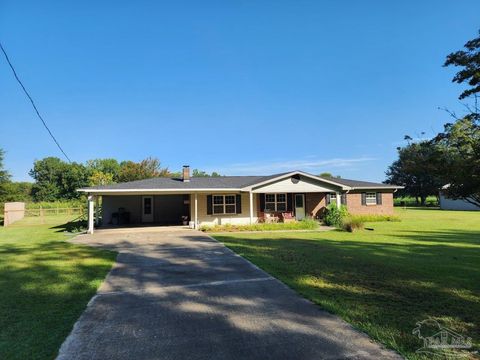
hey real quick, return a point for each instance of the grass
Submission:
(306, 224)
(411, 201)
(45, 284)
(383, 281)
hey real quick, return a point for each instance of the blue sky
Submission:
(239, 87)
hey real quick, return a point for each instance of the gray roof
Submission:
(358, 184)
(222, 182)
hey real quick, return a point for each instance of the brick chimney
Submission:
(186, 173)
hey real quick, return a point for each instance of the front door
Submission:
(299, 206)
(147, 209)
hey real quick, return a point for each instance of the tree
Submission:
(469, 60)
(103, 171)
(56, 179)
(18, 191)
(100, 178)
(145, 169)
(417, 170)
(4, 177)
(105, 166)
(460, 158)
(328, 175)
(201, 173)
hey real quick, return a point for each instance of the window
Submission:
(224, 204)
(276, 202)
(371, 198)
(332, 198)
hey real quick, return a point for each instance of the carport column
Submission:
(196, 211)
(91, 213)
(251, 207)
(339, 199)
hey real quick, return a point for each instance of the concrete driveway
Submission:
(178, 294)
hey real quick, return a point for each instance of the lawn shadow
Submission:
(382, 288)
(44, 288)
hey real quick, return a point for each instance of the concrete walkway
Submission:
(181, 295)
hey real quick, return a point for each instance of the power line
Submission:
(33, 103)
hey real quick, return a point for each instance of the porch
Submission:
(117, 211)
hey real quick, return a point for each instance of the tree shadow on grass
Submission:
(44, 287)
(382, 288)
(76, 225)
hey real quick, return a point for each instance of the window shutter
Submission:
(364, 198)
(343, 199)
(289, 202)
(209, 204)
(262, 202)
(327, 199)
(238, 200)
(379, 198)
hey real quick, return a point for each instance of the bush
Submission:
(334, 216)
(351, 224)
(305, 224)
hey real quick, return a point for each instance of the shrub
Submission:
(351, 224)
(305, 224)
(334, 216)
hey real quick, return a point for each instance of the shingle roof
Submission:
(222, 182)
(358, 184)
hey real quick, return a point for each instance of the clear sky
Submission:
(239, 87)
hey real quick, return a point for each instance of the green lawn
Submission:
(384, 280)
(45, 284)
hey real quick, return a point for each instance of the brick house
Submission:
(233, 199)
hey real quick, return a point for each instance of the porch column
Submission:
(339, 199)
(251, 208)
(195, 216)
(91, 213)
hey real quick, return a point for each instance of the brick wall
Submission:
(315, 204)
(354, 204)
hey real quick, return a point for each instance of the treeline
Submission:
(55, 179)
(450, 161)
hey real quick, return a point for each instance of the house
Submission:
(447, 203)
(232, 199)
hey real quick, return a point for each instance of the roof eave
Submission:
(265, 182)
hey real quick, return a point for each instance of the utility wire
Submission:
(33, 103)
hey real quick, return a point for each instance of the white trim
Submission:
(276, 202)
(91, 213)
(251, 207)
(196, 212)
(371, 203)
(154, 191)
(224, 204)
(284, 176)
(339, 199)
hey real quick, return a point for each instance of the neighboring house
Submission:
(447, 203)
(233, 199)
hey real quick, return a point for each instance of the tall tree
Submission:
(460, 159)
(417, 170)
(145, 169)
(460, 141)
(469, 61)
(4, 177)
(103, 171)
(201, 173)
(56, 179)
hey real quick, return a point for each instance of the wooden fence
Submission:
(40, 215)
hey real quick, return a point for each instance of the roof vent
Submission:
(186, 173)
